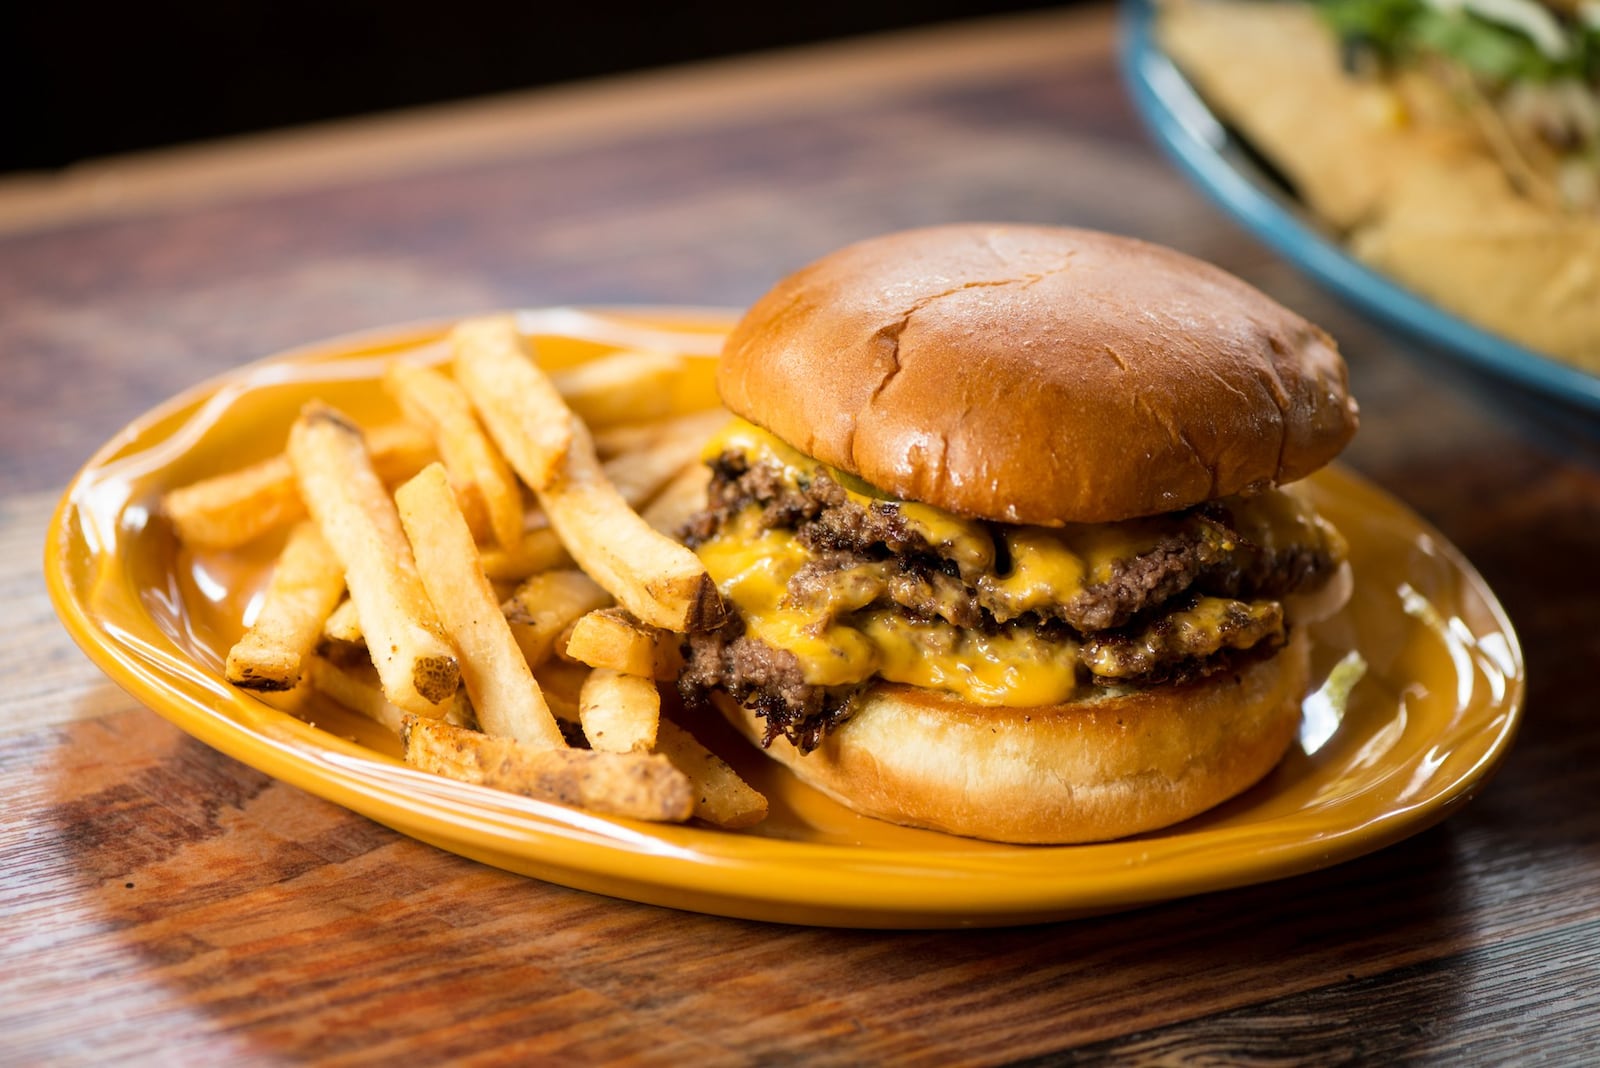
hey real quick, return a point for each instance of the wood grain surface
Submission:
(163, 904)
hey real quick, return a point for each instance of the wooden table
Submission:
(162, 903)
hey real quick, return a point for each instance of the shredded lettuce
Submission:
(1497, 51)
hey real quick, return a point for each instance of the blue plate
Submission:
(1215, 160)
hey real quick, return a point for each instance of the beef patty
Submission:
(1199, 594)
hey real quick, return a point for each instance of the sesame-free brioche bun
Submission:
(1043, 375)
(1093, 769)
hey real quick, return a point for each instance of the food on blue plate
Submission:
(1003, 535)
(1454, 145)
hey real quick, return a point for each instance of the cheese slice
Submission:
(840, 638)
(753, 567)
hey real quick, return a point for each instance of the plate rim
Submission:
(1151, 76)
(984, 887)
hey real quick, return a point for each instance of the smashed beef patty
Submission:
(1197, 594)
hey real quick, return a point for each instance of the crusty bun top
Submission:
(1032, 374)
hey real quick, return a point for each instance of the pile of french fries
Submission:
(527, 529)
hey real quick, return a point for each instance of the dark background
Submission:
(89, 79)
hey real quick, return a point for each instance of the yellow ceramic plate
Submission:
(1427, 721)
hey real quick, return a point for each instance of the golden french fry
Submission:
(230, 510)
(678, 500)
(498, 679)
(629, 437)
(655, 578)
(538, 550)
(668, 474)
(358, 520)
(636, 437)
(547, 604)
(515, 400)
(356, 687)
(639, 476)
(610, 638)
(619, 712)
(343, 625)
(562, 683)
(478, 473)
(624, 387)
(305, 585)
(635, 785)
(342, 639)
(720, 795)
(660, 581)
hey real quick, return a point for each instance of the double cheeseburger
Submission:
(1004, 530)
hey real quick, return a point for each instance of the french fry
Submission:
(671, 476)
(306, 583)
(610, 638)
(720, 795)
(343, 625)
(422, 617)
(515, 400)
(636, 437)
(498, 679)
(342, 639)
(358, 520)
(230, 510)
(668, 473)
(478, 473)
(356, 687)
(635, 785)
(624, 387)
(547, 604)
(538, 550)
(562, 683)
(619, 712)
(660, 581)
(639, 476)
(678, 500)
(628, 437)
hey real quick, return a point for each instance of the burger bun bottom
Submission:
(1103, 767)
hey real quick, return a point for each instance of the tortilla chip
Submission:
(1400, 168)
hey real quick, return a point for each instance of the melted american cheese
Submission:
(753, 567)
(840, 641)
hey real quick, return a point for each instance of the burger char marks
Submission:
(1177, 608)
(845, 534)
(1146, 579)
(1181, 642)
(819, 510)
(769, 680)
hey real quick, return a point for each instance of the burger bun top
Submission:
(1043, 375)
